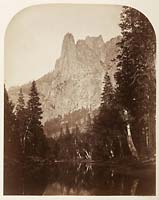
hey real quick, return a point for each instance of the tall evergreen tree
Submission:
(136, 76)
(108, 124)
(21, 119)
(107, 95)
(36, 143)
(11, 138)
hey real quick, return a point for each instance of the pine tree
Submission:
(36, 143)
(136, 75)
(21, 119)
(106, 123)
(11, 138)
(107, 95)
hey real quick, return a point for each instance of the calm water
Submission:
(80, 179)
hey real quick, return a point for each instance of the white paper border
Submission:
(8, 9)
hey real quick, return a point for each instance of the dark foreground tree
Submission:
(136, 77)
(35, 142)
(109, 127)
(21, 119)
(12, 151)
(11, 138)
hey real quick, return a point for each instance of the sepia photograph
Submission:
(80, 101)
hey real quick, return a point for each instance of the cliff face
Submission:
(76, 81)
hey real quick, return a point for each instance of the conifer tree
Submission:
(21, 119)
(11, 138)
(106, 123)
(107, 95)
(36, 143)
(136, 75)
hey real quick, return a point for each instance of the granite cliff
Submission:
(77, 79)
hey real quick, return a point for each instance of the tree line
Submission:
(23, 130)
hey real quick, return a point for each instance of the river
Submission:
(80, 179)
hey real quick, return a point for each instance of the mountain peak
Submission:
(68, 44)
(95, 38)
(94, 41)
(69, 36)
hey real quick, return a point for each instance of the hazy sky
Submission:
(34, 37)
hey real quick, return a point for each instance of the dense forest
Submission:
(122, 129)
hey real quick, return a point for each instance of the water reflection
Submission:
(93, 179)
(82, 179)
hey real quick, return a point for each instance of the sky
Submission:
(34, 36)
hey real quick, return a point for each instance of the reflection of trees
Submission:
(13, 179)
(79, 179)
(35, 179)
(75, 177)
(89, 178)
(29, 179)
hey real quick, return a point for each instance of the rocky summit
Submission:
(77, 79)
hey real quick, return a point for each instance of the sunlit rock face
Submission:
(77, 78)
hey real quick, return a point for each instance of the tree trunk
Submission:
(88, 156)
(130, 143)
(121, 147)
